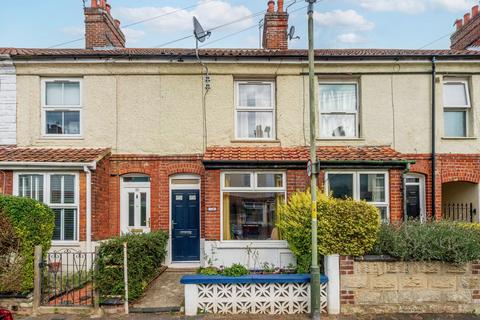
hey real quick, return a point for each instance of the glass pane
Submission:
(337, 126)
(338, 97)
(455, 123)
(250, 216)
(136, 179)
(54, 122)
(383, 214)
(56, 189)
(57, 232)
(143, 209)
(71, 93)
(255, 125)
(455, 94)
(255, 95)
(25, 186)
(131, 209)
(185, 181)
(68, 189)
(53, 93)
(71, 124)
(341, 185)
(69, 224)
(372, 187)
(237, 180)
(269, 180)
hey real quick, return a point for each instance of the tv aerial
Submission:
(291, 34)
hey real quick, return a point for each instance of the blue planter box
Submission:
(255, 278)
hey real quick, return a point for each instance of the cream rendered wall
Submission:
(156, 108)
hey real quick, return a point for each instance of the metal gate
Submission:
(67, 278)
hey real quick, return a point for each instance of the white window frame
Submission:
(252, 189)
(239, 108)
(46, 199)
(357, 113)
(46, 108)
(458, 108)
(356, 187)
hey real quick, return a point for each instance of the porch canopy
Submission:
(330, 157)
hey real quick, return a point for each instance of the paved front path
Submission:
(165, 291)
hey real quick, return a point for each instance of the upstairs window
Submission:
(62, 106)
(456, 107)
(255, 110)
(338, 109)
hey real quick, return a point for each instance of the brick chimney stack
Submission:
(275, 27)
(101, 30)
(467, 32)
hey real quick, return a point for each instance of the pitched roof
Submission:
(176, 53)
(328, 153)
(39, 155)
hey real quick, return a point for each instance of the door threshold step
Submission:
(155, 310)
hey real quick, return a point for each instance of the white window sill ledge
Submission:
(254, 141)
(56, 244)
(459, 138)
(62, 138)
(340, 139)
(240, 244)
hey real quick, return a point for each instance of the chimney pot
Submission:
(94, 4)
(466, 18)
(271, 6)
(459, 24)
(103, 4)
(117, 23)
(475, 11)
(280, 5)
(108, 6)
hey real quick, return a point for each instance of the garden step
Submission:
(155, 310)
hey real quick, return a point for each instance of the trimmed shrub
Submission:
(11, 261)
(433, 241)
(345, 227)
(146, 254)
(33, 224)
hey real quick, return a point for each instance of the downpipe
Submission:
(434, 137)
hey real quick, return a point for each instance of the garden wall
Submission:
(408, 287)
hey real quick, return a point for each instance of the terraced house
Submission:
(120, 140)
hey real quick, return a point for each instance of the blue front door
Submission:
(185, 225)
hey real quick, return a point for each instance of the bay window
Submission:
(61, 107)
(338, 110)
(59, 191)
(250, 203)
(456, 104)
(255, 110)
(371, 187)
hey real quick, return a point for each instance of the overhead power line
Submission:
(435, 41)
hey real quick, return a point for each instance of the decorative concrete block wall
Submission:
(8, 102)
(408, 287)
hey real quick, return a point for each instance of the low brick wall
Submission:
(408, 287)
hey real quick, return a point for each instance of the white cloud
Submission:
(350, 38)
(415, 6)
(133, 35)
(73, 31)
(210, 14)
(347, 19)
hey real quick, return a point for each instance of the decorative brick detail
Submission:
(346, 265)
(347, 297)
(101, 30)
(6, 182)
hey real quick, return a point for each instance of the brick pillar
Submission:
(6, 182)
(346, 268)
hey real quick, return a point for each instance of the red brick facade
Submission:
(275, 27)
(6, 182)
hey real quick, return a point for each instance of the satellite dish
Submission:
(291, 34)
(200, 34)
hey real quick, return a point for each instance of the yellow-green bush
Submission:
(345, 227)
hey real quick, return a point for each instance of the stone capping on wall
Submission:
(380, 285)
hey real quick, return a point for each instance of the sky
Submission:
(409, 24)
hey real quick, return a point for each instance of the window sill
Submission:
(254, 141)
(65, 243)
(254, 244)
(61, 138)
(340, 139)
(459, 138)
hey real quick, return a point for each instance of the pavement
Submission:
(261, 317)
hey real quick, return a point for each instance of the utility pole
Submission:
(314, 269)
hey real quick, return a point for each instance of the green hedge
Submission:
(433, 241)
(33, 223)
(146, 253)
(345, 227)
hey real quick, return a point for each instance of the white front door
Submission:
(135, 210)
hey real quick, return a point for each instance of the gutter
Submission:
(35, 165)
